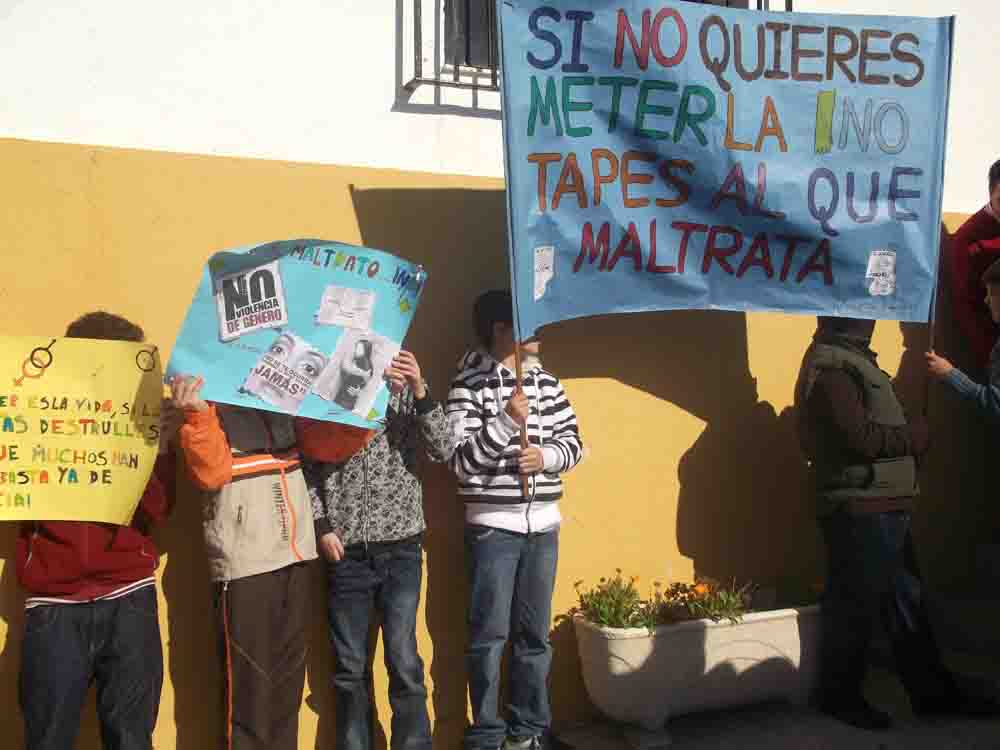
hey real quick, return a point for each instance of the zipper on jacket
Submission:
(286, 500)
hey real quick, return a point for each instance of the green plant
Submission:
(613, 603)
(616, 602)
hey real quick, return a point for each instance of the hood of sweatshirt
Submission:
(480, 360)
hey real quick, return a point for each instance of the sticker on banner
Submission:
(286, 372)
(545, 268)
(250, 300)
(346, 307)
(881, 273)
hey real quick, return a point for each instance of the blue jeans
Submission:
(872, 575)
(510, 578)
(384, 576)
(115, 643)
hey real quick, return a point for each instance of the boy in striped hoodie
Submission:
(511, 540)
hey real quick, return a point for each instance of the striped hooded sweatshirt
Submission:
(487, 443)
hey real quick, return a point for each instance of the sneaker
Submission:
(859, 713)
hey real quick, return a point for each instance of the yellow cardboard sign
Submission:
(79, 427)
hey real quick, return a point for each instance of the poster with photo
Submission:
(320, 352)
(350, 380)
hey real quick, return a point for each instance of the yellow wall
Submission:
(692, 459)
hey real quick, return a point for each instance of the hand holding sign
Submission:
(405, 370)
(531, 460)
(187, 393)
(518, 408)
(938, 366)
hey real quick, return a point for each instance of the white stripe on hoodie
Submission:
(487, 444)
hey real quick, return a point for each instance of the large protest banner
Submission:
(79, 428)
(302, 327)
(678, 155)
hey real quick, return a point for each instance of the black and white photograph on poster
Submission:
(346, 307)
(250, 300)
(286, 372)
(353, 377)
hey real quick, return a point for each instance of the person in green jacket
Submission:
(863, 452)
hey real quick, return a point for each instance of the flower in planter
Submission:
(617, 603)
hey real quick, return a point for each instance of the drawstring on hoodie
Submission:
(498, 397)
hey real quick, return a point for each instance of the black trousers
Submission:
(872, 575)
(262, 639)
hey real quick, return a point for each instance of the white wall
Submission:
(315, 80)
(305, 80)
(974, 112)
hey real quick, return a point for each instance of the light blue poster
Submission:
(679, 155)
(303, 327)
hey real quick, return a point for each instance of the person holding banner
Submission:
(863, 452)
(974, 247)
(368, 511)
(91, 608)
(259, 538)
(986, 397)
(511, 540)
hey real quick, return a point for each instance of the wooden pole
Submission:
(519, 375)
(931, 332)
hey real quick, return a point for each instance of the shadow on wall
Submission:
(741, 512)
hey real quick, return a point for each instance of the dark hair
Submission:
(494, 306)
(994, 175)
(104, 325)
(992, 274)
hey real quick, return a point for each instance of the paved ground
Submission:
(784, 727)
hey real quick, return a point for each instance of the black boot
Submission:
(968, 706)
(858, 713)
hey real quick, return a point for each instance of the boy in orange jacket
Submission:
(259, 537)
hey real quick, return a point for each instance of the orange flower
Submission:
(701, 589)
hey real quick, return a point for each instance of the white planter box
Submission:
(644, 677)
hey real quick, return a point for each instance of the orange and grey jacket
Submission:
(258, 516)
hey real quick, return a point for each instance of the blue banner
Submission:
(302, 327)
(678, 155)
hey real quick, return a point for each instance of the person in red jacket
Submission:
(974, 247)
(91, 611)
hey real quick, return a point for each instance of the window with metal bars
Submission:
(456, 44)
(467, 36)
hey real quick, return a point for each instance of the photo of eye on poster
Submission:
(319, 351)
